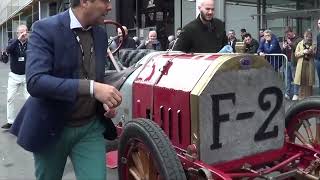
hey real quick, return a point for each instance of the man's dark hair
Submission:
(288, 29)
(75, 3)
(243, 30)
(247, 35)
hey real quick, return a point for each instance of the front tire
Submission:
(145, 152)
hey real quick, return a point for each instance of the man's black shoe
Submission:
(6, 126)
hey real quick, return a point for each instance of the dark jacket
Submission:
(52, 74)
(155, 46)
(252, 47)
(272, 47)
(128, 43)
(318, 47)
(233, 45)
(16, 49)
(201, 38)
(294, 42)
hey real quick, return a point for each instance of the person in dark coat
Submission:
(232, 40)
(151, 43)
(270, 45)
(128, 42)
(251, 44)
(172, 43)
(16, 78)
(205, 34)
(243, 31)
(67, 114)
(289, 48)
(317, 58)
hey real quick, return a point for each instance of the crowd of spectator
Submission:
(300, 53)
(303, 57)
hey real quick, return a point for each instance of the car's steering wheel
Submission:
(111, 53)
(123, 34)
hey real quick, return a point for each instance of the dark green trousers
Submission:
(84, 145)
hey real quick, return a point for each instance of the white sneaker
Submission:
(295, 97)
(287, 96)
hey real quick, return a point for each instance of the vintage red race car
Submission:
(211, 116)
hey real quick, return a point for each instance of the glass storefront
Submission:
(276, 14)
(25, 12)
(141, 16)
(301, 15)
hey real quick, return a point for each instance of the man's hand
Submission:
(23, 36)
(107, 94)
(110, 113)
(285, 45)
(289, 42)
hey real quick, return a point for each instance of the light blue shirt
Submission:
(74, 22)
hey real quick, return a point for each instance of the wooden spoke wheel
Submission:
(303, 124)
(117, 25)
(145, 153)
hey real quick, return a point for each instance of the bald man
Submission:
(205, 34)
(152, 42)
(128, 42)
(17, 80)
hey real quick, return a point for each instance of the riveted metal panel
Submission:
(240, 110)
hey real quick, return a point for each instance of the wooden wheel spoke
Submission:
(147, 153)
(307, 127)
(302, 139)
(153, 173)
(142, 166)
(134, 173)
(138, 163)
(317, 172)
(144, 157)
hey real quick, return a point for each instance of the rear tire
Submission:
(303, 125)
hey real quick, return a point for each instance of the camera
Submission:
(4, 57)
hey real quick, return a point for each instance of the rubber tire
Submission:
(311, 102)
(128, 57)
(157, 142)
(123, 56)
(300, 106)
(139, 56)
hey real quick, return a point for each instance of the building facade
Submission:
(168, 15)
(165, 16)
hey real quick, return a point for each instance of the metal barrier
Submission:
(280, 64)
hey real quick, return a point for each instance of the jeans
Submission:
(291, 88)
(84, 145)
